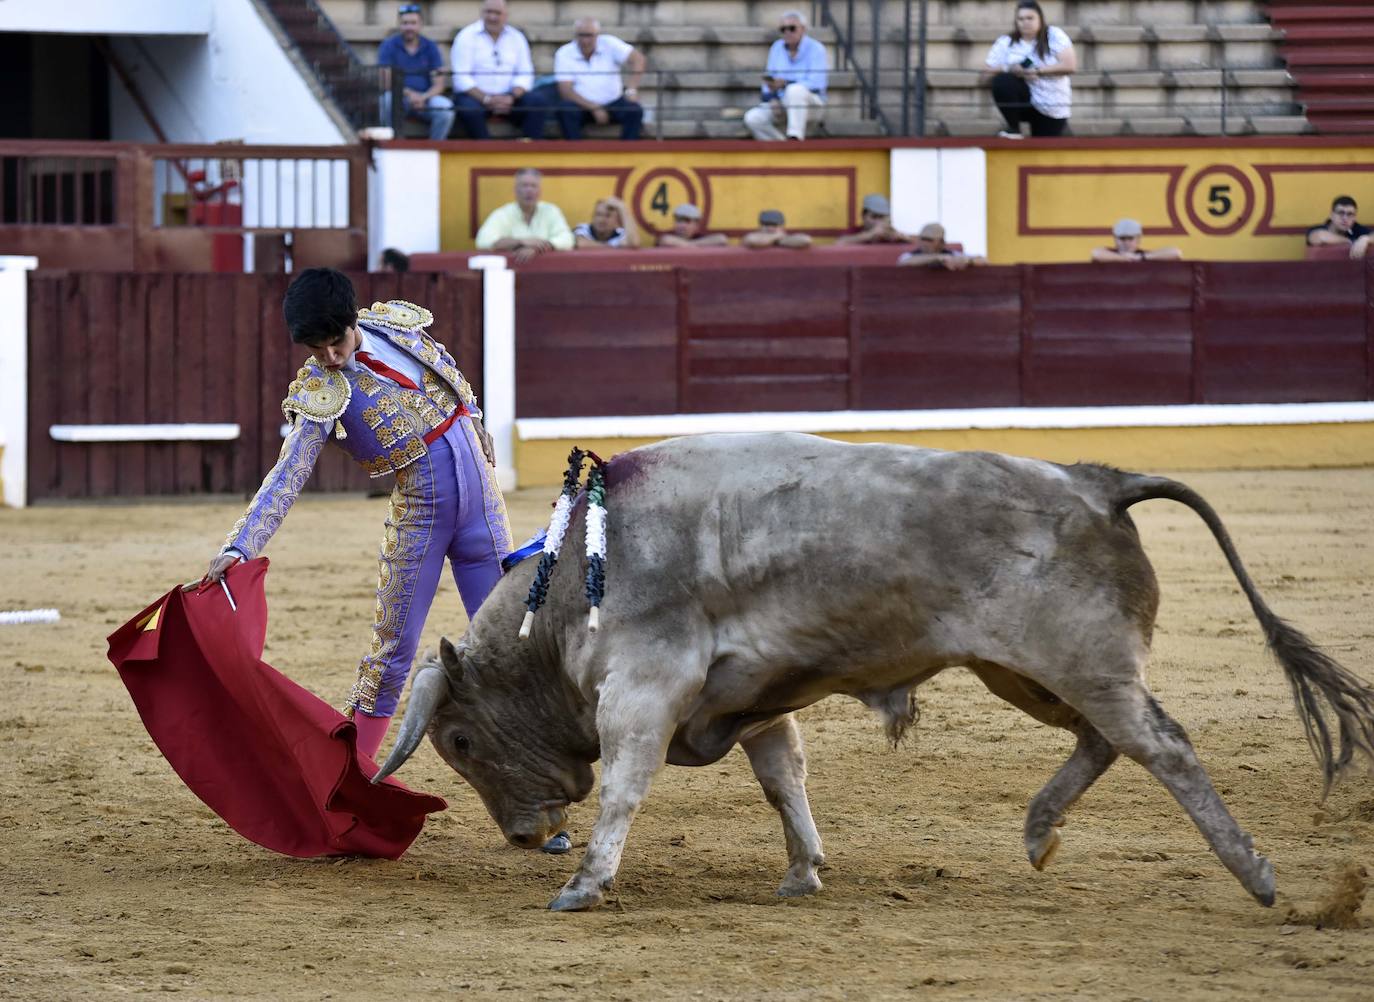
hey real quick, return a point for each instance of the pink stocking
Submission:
(371, 730)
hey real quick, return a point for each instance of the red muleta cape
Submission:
(275, 762)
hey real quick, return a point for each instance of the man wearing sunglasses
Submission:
(493, 74)
(793, 82)
(424, 79)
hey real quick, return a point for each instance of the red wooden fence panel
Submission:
(933, 338)
(122, 348)
(766, 340)
(1109, 334)
(596, 343)
(1284, 332)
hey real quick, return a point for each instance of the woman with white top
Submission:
(1029, 71)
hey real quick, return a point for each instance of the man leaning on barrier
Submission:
(1341, 229)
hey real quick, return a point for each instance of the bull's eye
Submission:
(461, 744)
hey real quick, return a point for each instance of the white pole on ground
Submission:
(498, 360)
(14, 377)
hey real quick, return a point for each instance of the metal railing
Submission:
(351, 85)
(711, 103)
(823, 15)
(267, 192)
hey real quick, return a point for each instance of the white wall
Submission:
(233, 83)
(14, 375)
(942, 186)
(107, 17)
(403, 202)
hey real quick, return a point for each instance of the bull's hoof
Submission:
(1261, 884)
(575, 900)
(799, 887)
(1041, 850)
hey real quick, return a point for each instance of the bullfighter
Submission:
(393, 397)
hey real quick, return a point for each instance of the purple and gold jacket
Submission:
(381, 425)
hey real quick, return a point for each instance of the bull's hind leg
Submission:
(779, 762)
(1091, 757)
(1129, 717)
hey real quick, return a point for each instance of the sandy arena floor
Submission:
(117, 882)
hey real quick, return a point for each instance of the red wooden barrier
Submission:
(124, 348)
(169, 349)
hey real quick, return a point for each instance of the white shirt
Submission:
(1050, 96)
(389, 355)
(497, 67)
(596, 78)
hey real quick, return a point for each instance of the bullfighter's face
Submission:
(334, 353)
(495, 736)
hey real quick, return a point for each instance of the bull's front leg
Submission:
(779, 762)
(635, 725)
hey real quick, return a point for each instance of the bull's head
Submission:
(513, 736)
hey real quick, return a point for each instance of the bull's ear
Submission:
(452, 659)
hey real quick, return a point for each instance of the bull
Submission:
(756, 574)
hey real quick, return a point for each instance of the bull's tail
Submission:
(1321, 686)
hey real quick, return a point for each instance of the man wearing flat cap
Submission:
(1126, 247)
(875, 225)
(687, 230)
(772, 232)
(932, 251)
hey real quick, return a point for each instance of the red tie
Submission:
(382, 369)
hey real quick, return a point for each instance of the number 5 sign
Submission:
(1219, 200)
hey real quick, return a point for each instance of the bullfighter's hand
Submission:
(484, 436)
(218, 568)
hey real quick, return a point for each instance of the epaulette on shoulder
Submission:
(397, 314)
(317, 394)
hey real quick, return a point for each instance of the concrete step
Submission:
(948, 47)
(453, 14)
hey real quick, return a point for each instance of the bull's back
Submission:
(790, 522)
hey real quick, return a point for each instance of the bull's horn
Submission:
(429, 687)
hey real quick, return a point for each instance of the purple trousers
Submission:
(446, 504)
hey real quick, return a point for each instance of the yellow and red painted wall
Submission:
(1045, 201)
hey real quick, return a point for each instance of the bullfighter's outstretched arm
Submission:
(279, 489)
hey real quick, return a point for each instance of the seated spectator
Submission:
(687, 230)
(395, 261)
(1341, 228)
(527, 226)
(589, 87)
(772, 232)
(493, 74)
(424, 80)
(1029, 71)
(1126, 248)
(611, 226)
(932, 252)
(875, 225)
(794, 82)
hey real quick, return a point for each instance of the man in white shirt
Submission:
(526, 227)
(493, 74)
(794, 82)
(589, 85)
